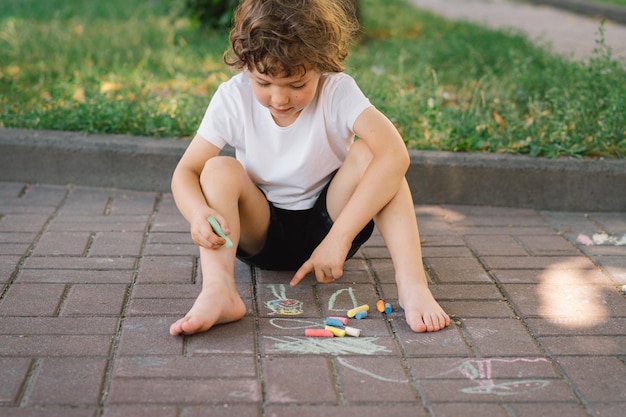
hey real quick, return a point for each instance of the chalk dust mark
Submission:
(480, 371)
(347, 364)
(333, 299)
(334, 346)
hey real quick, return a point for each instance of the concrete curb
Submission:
(602, 10)
(146, 164)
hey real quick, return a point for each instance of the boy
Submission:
(301, 194)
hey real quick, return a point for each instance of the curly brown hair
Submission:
(289, 37)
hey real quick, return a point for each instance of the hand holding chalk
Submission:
(218, 229)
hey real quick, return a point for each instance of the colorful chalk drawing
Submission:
(601, 239)
(283, 305)
(333, 346)
(480, 371)
(311, 345)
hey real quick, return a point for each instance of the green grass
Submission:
(132, 67)
(618, 2)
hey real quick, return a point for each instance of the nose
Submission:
(280, 98)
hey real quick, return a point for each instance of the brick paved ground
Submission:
(90, 280)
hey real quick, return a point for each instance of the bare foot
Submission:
(213, 306)
(423, 313)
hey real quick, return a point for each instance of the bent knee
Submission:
(220, 168)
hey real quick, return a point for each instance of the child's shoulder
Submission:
(337, 82)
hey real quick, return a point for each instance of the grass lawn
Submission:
(133, 67)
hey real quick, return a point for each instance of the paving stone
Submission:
(32, 299)
(170, 269)
(215, 366)
(183, 392)
(583, 345)
(14, 248)
(225, 410)
(494, 391)
(490, 245)
(149, 336)
(303, 379)
(140, 411)
(575, 326)
(75, 276)
(58, 325)
(55, 345)
(479, 369)
(460, 291)
(476, 308)
(447, 342)
(116, 243)
(600, 379)
(566, 301)
(383, 270)
(387, 410)
(537, 262)
(548, 246)
(449, 270)
(22, 222)
(87, 300)
(169, 222)
(615, 266)
(560, 276)
(64, 381)
(62, 243)
(71, 262)
(70, 222)
(48, 411)
(134, 202)
(468, 410)
(13, 372)
(234, 338)
(381, 379)
(608, 409)
(548, 410)
(445, 252)
(501, 336)
(17, 237)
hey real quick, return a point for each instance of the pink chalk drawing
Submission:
(480, 371)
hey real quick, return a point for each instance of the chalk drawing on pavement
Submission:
(281, 304)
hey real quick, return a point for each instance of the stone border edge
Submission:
(146, 164)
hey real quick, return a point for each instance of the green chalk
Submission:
(216, 226)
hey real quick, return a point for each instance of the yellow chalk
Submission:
(336, 331)
(352, 313)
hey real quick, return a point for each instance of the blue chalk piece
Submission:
(334, 322)
(388, 308)
(360, 315)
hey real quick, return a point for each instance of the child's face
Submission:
(285, 97)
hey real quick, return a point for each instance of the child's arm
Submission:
(189, 196)
(379, 184)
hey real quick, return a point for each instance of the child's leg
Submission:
(398, 226)
(227, 189)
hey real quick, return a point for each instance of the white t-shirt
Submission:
(292, 164)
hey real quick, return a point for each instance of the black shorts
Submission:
(293, 235)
